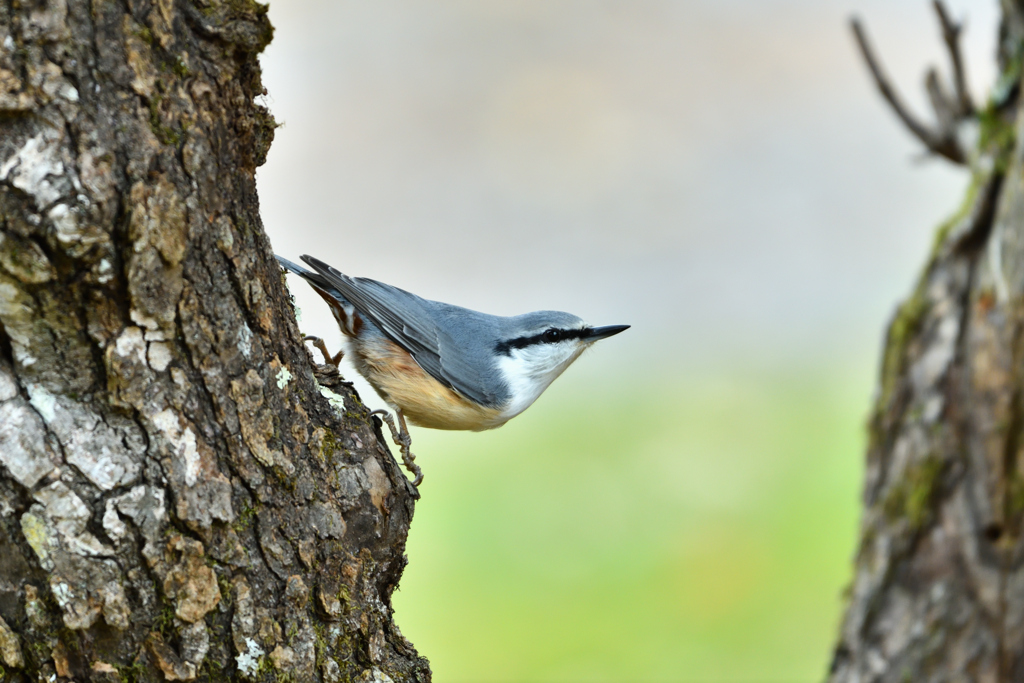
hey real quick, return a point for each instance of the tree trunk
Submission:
(180, 497)
(938, 593)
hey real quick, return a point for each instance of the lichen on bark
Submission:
(178, 500)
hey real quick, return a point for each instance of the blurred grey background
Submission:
(722, 175)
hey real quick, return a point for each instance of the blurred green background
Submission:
(696, 528)
(682, 504)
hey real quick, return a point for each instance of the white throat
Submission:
(531, 370)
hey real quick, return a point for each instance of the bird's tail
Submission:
(344, 312)
(293, 267)
(321, 284)
(316, 279)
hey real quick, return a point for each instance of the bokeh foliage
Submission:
(696, 529)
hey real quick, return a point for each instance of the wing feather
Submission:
(410, 322)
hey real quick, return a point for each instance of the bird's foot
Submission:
(319, 344)
(401, 436)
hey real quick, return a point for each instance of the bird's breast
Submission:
(426, 402)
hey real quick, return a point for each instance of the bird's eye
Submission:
(552, 335)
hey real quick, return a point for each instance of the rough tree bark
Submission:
(180, 497)
(938, 593)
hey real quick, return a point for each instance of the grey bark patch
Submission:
(85, 586)
(195, 642)
(206, 501)
(23, 448)
(202, 493)
(277, 551)
(97, 450)
(65, 517)
(8, 384)
(145, 507)
(183, 443)
(352, 481)
(37, 169)
(326, 521)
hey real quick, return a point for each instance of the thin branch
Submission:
(951, 35)
(888, 92)
(946, 108)
(942, 144)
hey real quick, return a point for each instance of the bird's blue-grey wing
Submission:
(411, 322)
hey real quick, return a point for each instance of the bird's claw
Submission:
(401, 436)
(319, 344)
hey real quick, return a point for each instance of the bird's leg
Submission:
(401, 436)
(319, 344)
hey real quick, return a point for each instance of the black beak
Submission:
(596, 333)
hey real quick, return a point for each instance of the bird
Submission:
(442, 366)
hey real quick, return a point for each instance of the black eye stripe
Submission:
(545, 337)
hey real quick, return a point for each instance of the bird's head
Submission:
(535, 348)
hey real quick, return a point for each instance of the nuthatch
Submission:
(443, 366)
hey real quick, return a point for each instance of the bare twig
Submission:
(888, 92)
(943, 142)
(946, 108)
(951, 35)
